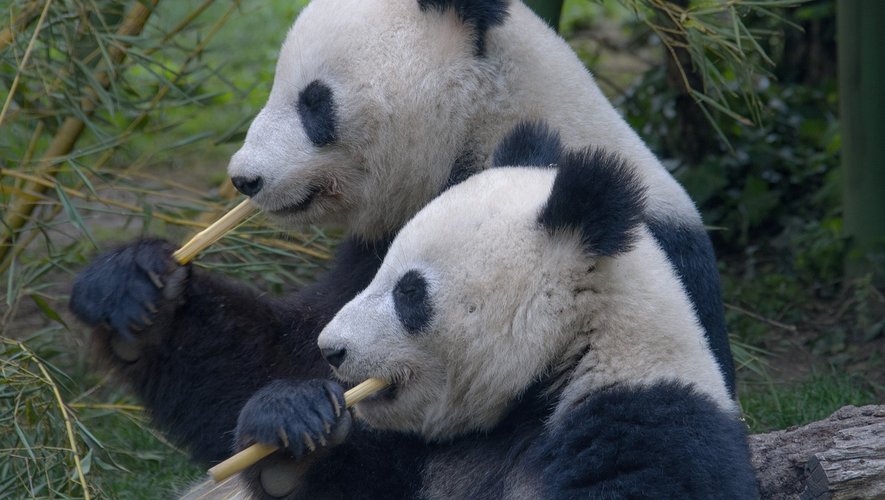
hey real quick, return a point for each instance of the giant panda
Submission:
(539, 344)
(376, 105)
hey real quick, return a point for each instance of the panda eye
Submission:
(316, 107)
(412, 302)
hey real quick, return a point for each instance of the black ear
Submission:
(600, 196)
(529, 144)
(479, 14)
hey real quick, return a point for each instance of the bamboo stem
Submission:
(214, 232)
(256, 452)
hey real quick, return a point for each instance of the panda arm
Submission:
(661, 441)
(209, 347)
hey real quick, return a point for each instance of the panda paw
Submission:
(126, 289)
(297, 416)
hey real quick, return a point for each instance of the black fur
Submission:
(662, 441)
(465, 165)
(217, 342)
(691, 252)
(411, 299)
(597, 194)
(529, 144)
(479, 14)
(316, 107)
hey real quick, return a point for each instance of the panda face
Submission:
(471, 304)
(365, 91)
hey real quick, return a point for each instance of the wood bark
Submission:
(840, 457)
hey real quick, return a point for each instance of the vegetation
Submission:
(119, 115)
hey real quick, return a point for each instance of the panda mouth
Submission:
(387, 394)
(313, 193)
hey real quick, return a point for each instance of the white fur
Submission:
(513, 303)
(411, 95)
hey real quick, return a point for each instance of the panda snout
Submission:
(334, 356)
(247, 186)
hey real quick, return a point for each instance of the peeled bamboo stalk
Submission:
(214, 232)
(256, 452)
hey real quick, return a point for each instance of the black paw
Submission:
(298, 416)
(124, 289)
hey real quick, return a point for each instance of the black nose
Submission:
(334, 356)
(249, 187)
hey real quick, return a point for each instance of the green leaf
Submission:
(46, 309)
(74, 214)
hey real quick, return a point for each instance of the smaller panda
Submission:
(538, 342)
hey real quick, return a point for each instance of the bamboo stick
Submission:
(214, 232)
(256, 452)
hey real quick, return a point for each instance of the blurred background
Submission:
(118, 118)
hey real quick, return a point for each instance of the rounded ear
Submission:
(598, 195)
(478, 14)
(530, 143)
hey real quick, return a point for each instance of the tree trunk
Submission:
(842, 456)
(861, 80)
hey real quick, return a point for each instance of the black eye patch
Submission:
(316, 107)
(412, 302)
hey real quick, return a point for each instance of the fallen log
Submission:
(840, 457)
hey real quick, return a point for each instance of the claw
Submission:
(284, 438)
(309, 442)
(155, 279)
(335, 405)
(151, 308)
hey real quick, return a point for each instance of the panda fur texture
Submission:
(539, 343)
(375, 107)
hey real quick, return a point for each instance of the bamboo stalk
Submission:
(70, 131)
(256, 452)
(214, 232)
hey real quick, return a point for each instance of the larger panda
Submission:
(376, 105)
(538, 342)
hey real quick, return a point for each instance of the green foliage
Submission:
(61, 441)
(119, 92)
(772, 405)
(772, 189)
(717, 49)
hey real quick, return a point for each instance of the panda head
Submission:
(365, 92)
(482, 291)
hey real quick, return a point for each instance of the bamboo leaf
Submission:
(47, 310)
(74, 215)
